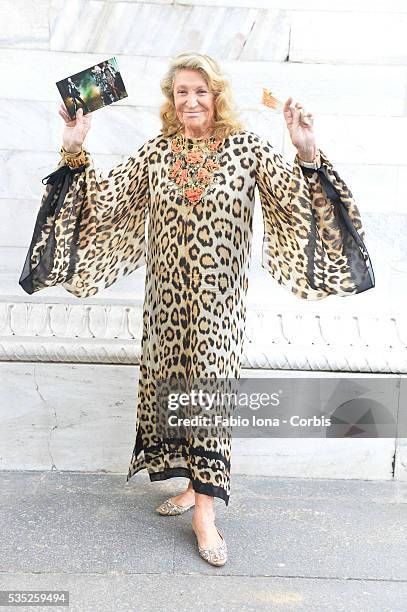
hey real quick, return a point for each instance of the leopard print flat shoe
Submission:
(168, 508)
(217, 555)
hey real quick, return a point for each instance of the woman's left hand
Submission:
(301, 134)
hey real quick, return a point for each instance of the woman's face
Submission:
(194, 103)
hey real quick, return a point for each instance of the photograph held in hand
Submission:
(92, 88)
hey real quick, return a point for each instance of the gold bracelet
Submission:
(74, 160)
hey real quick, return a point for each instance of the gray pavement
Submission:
(310, 545)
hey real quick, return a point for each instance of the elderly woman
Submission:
(195, 182)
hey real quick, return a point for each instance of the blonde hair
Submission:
(226, 118)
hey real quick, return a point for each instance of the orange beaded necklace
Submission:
(194, 165)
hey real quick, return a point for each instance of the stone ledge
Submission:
(295, 339)
(223, 32)
(325, 88)
(319, 37)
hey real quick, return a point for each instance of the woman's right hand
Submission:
(75, 130)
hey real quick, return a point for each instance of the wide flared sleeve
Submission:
(90, 228)
(313, 242)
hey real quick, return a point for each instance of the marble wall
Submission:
(92, 428)
(347, 64)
